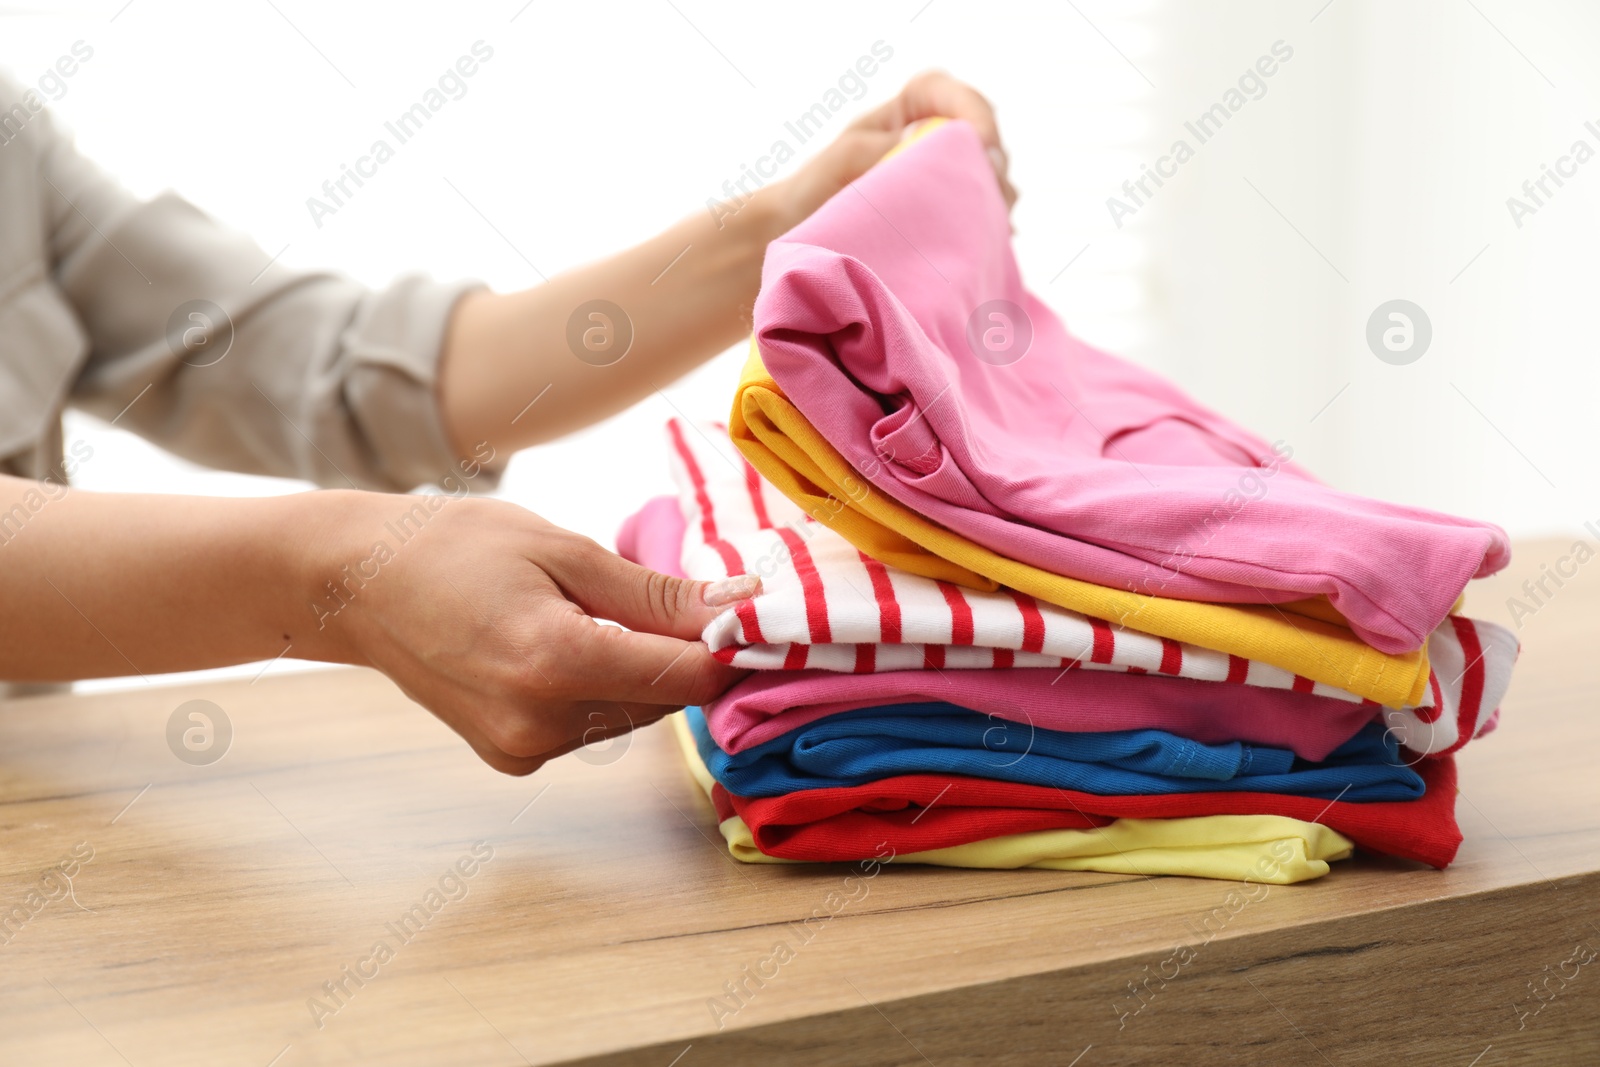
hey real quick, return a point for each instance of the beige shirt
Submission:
(318, 377)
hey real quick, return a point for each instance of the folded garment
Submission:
(914, 813)
(1050, 453)
(728, 522)
(1271, 849)
(723, 504)
(858, 747)
(768, 704)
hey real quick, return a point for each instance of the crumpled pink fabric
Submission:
(1066, 458)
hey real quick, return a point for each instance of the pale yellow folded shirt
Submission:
(1306, 637)
(1241, 848)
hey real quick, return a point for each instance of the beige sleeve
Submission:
(304, 375)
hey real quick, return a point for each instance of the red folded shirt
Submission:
(915, 813)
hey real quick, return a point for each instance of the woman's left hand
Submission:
(865, 141)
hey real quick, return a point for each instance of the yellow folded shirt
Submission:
(1272, 849)
(1306, 637)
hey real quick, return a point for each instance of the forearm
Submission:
(687, 294)
(110, 584)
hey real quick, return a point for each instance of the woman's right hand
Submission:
(480, 611)
(485, 614)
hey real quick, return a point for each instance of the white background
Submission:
(1376, 166)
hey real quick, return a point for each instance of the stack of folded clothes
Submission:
(1025, 604)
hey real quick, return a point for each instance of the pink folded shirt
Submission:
(878, 619)
(1066, 458)
(771, 703)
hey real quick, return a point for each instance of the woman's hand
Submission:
(486, 617)
(865, 141)
(480, 611)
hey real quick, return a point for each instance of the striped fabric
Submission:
(827, 606)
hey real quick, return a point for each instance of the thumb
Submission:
(607, 586)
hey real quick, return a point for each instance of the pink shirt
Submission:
(870, 318)
(769, 704)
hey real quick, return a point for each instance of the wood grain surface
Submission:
(163, 912)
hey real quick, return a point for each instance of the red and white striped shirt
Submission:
(827, 606)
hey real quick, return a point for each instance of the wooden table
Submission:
(221, 897)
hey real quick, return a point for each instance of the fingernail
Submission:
(731, 590)
(997, 156)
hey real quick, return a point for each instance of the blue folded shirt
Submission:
(867, 744)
